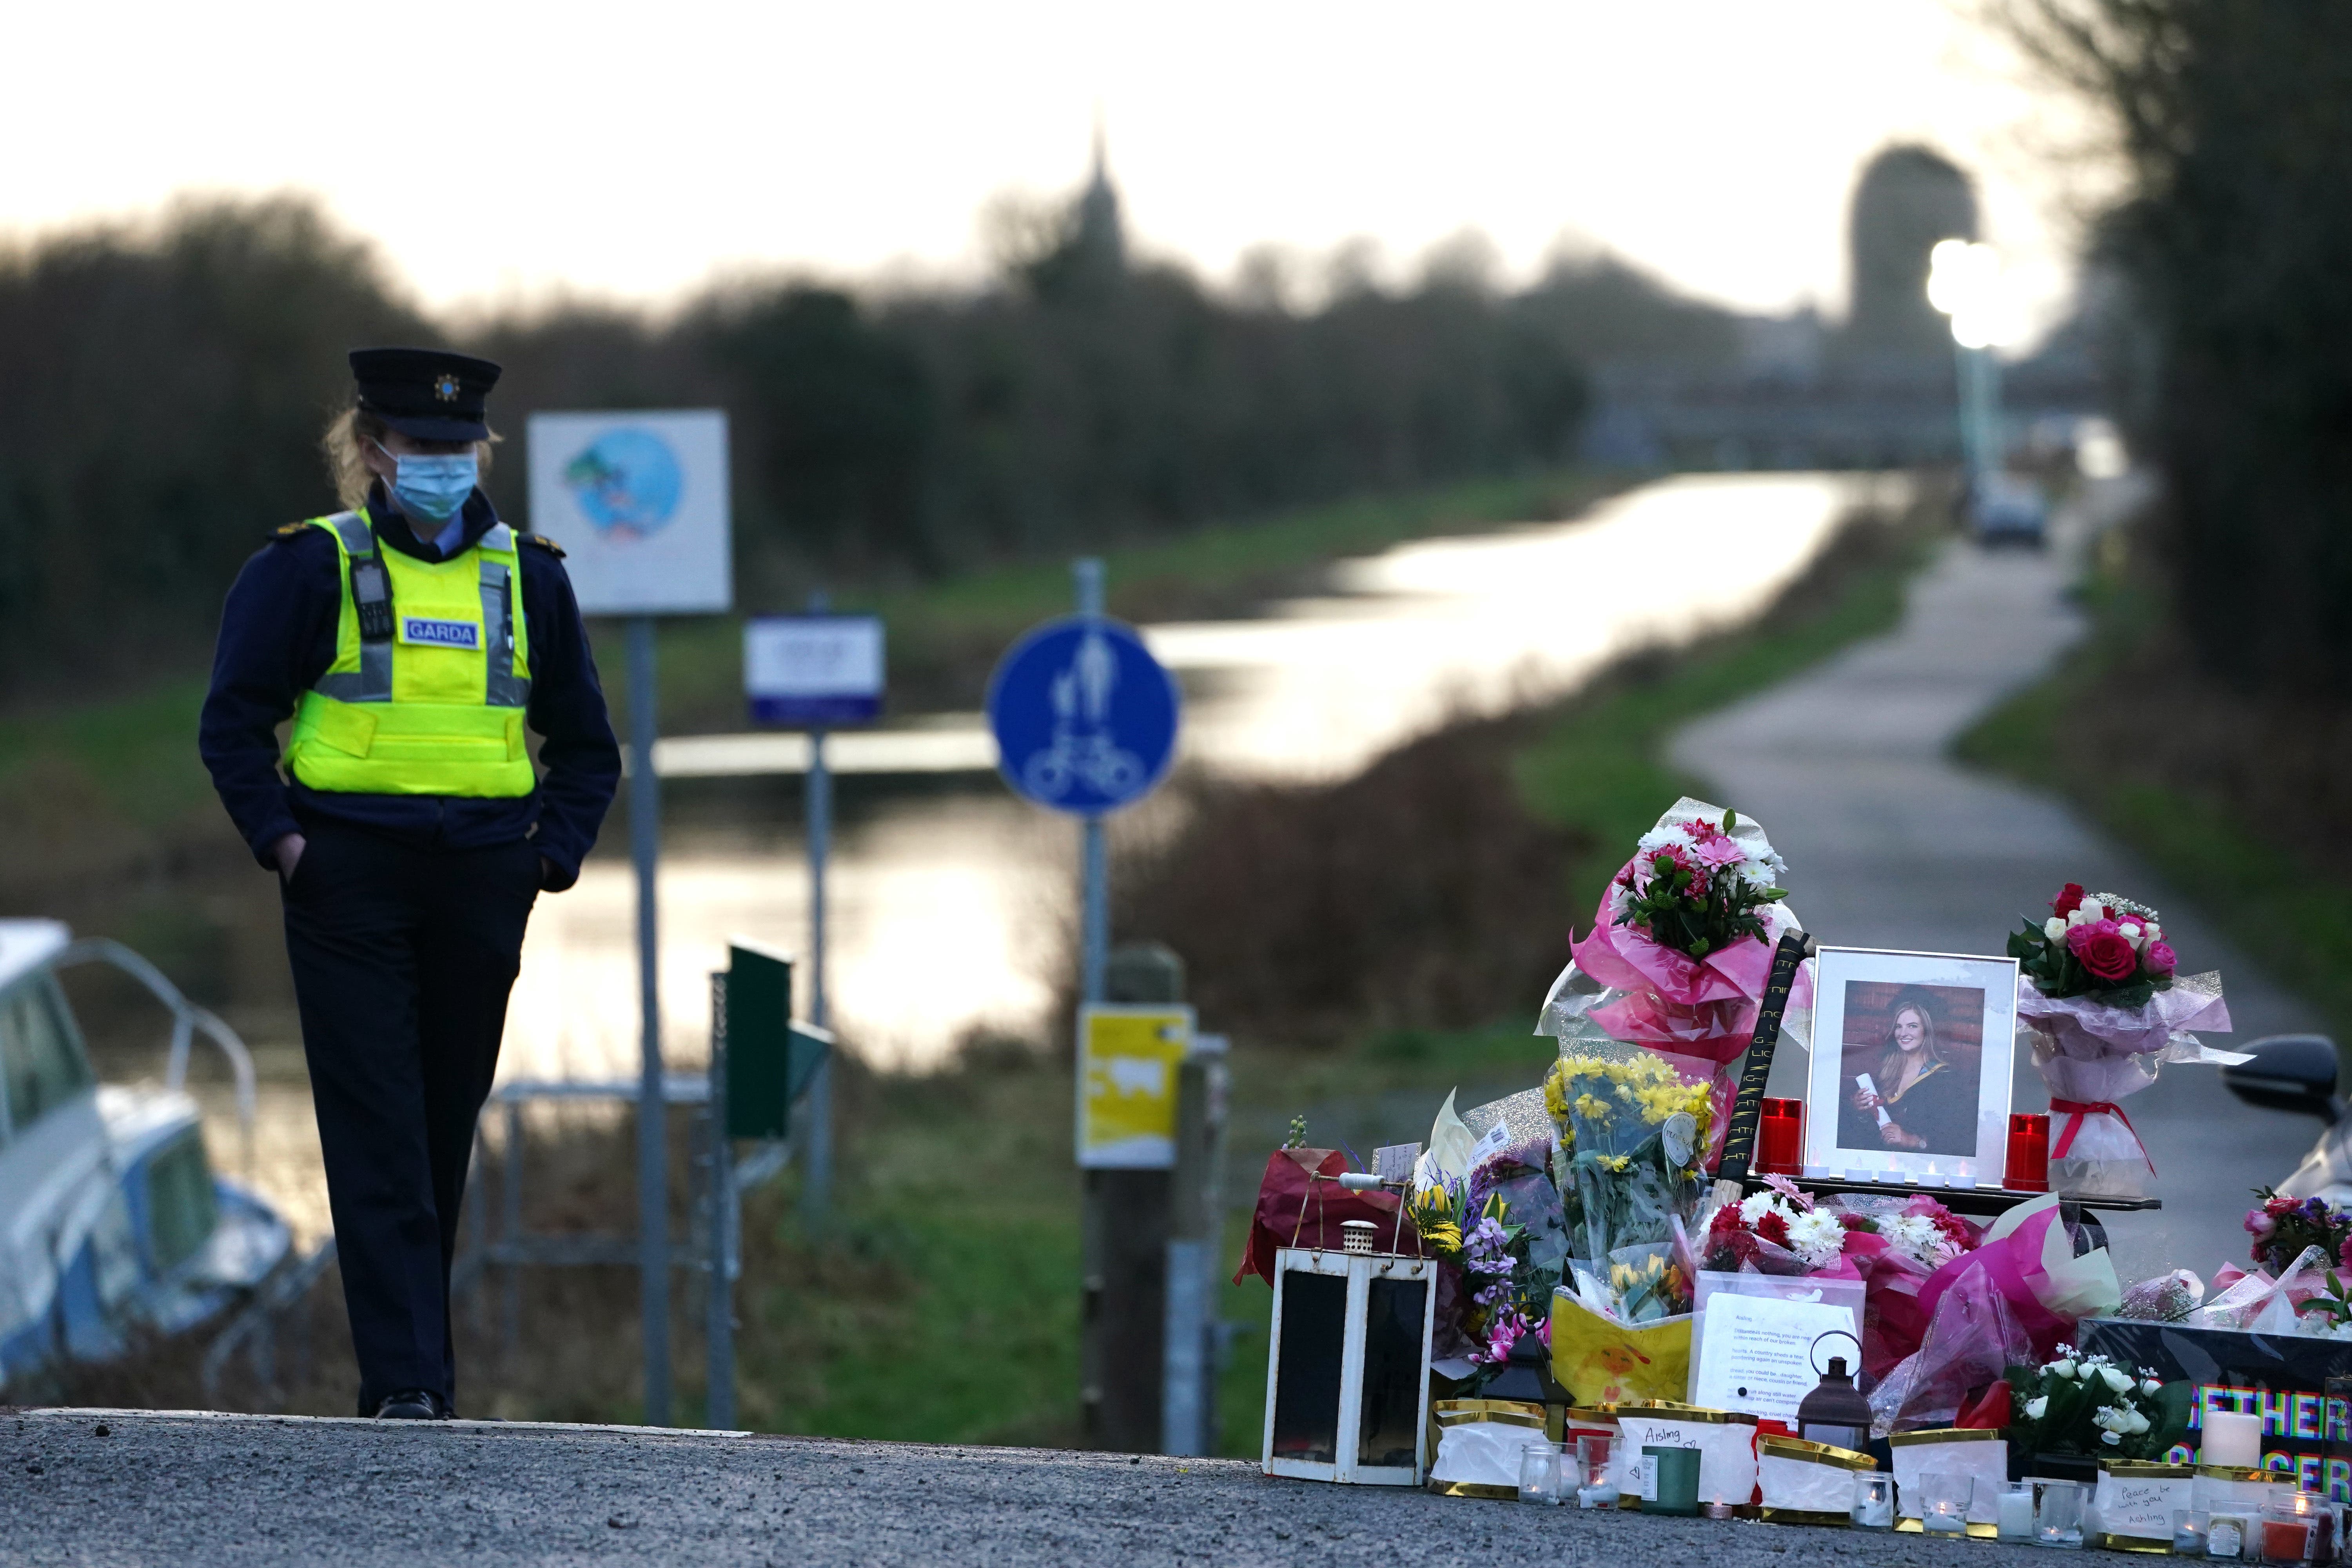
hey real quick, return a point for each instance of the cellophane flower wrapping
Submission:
(2168, 1297)
(1625, 992)
(1497, 1226)
(2012, 1300)
(1631, 1131)
(2100, 1009)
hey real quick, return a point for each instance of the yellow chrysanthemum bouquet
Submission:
(1632, 1132)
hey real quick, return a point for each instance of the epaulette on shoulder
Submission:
(544, 543)
(290, 531)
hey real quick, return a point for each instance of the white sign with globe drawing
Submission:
(638, 501)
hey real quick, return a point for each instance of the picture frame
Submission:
(1935, 1036)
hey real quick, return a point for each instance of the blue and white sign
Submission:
(814, 670)
(1085, 717)
(638, 499)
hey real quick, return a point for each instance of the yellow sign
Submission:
(1127, 1061)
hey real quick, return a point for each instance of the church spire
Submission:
(1100, 240)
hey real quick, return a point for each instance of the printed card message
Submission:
(1756, 1352)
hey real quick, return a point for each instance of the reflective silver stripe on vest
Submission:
(372, 682)
(503, 686)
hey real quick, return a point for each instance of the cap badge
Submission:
(444, 388)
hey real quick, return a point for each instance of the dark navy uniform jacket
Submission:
(277, 636)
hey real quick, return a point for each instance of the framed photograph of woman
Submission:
(1911, 1065)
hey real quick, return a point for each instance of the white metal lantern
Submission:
(1346, 1368)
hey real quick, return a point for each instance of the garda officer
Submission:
(410, 638)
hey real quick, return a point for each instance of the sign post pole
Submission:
(640, 500)
(1094, 873)
(652, 1154)
(817, 1189)
(724, 1219)
(815, 671)
(1085, 719)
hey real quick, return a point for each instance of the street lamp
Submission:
(1964, 283)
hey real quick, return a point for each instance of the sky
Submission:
(500, 153)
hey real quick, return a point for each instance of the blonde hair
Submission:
(344, 443)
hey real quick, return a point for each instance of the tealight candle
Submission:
(2188, 1532)
(2232, 1438)
(1873, 1502)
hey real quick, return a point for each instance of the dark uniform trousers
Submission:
(403, 957)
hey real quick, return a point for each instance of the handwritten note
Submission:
(2140, 1506)
(1756, 1352)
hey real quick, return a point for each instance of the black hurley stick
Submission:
(1747, 1108)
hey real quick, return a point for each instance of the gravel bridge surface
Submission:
(88, 1487)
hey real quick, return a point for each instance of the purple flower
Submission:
(2160, 958)
(2259, 1224)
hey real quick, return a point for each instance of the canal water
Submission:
(952, 904)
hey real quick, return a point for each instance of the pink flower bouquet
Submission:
(1680, 951)
(2102, 1006)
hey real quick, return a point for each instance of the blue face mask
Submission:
(433, 486)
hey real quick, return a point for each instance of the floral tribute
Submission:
(1490, 1229)
(2283, 1227)
(1782, 1231)
(1694, 889)
(1680, 952)
(2105, 945)
(1630, 1131)
(1777, 1232)
(2103, 999)
(2088, 1404)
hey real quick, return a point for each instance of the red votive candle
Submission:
(2028, 1168)
(1781, 1138)
(2286, 1540)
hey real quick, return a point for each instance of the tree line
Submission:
(2234, 121)
(167, 381)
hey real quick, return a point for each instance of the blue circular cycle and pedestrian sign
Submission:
(1085, 717)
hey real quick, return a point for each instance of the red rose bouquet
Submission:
(2102, 1005)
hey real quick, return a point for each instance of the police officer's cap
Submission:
(429, 395)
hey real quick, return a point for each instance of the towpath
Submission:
(1891, 844)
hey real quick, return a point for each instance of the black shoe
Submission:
(409, 1405)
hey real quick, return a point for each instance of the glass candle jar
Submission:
(2014, 1520)
(2225, 1537)
(1873, 1502)
(2027, 1169)
(1596, 1471)
(2298, 1528)
(1540, 1473)
(1671, 1481)
(1944, 1504)
(2058, 1514)
(2189, 1532)
(2286, 1534)
(1781, 1138)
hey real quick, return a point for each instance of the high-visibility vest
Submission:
(431, 676)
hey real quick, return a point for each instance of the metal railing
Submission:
(188, 1020)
